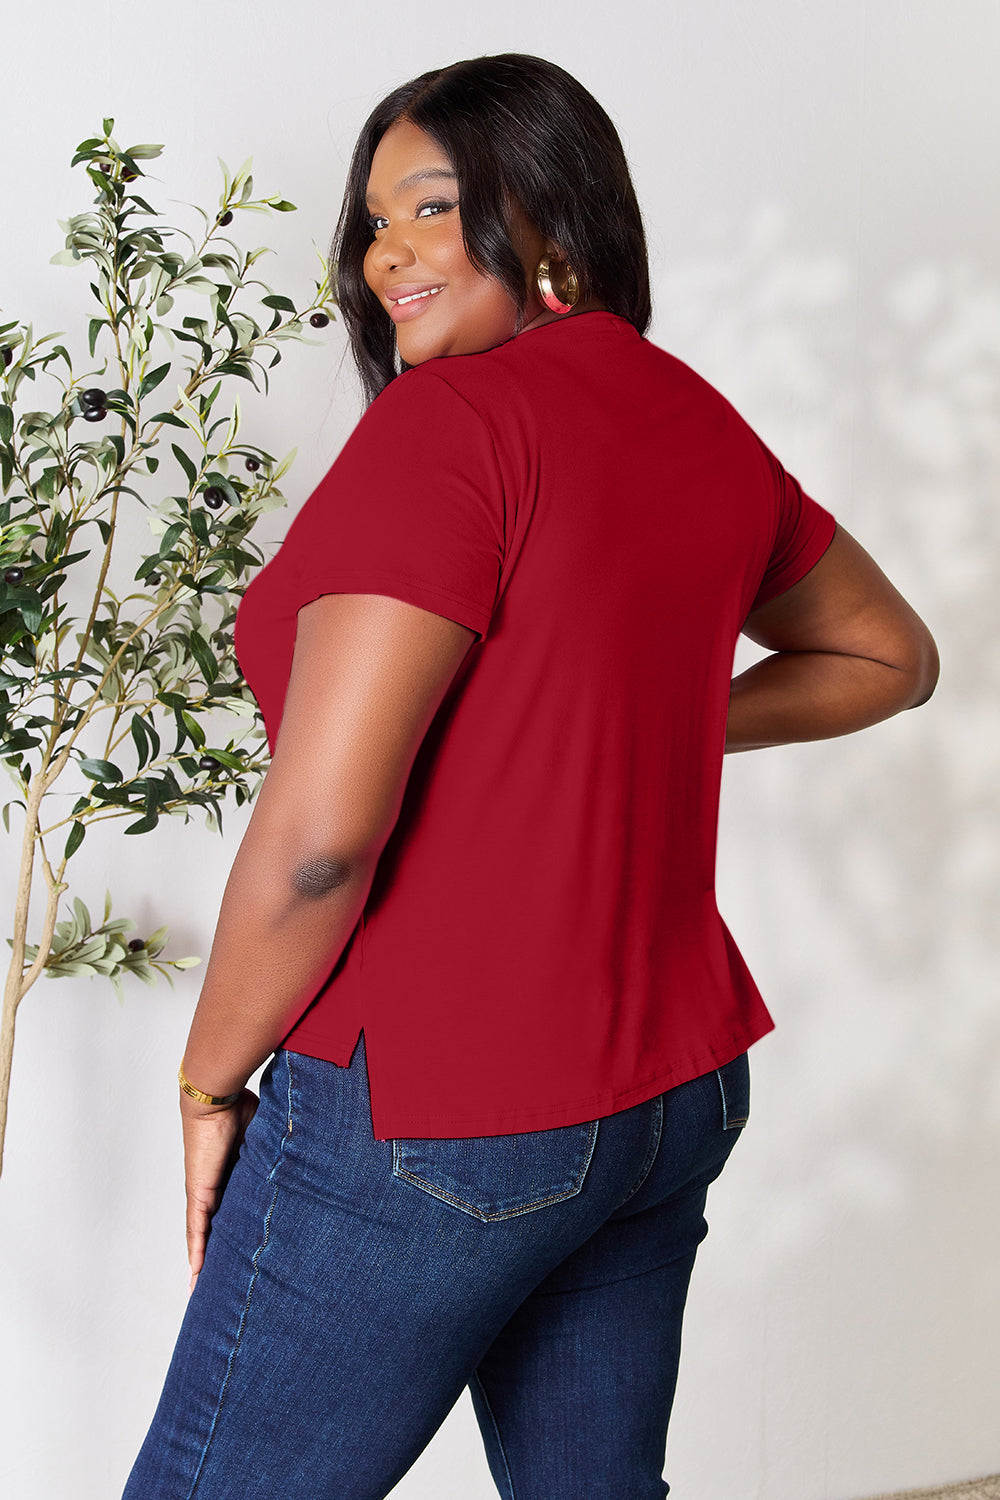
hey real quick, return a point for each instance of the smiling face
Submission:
(417, 248)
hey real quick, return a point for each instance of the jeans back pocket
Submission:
(734, 1085)
(499, 1176)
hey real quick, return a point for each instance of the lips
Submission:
(404, 312)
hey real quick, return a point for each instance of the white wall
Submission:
(820, 188)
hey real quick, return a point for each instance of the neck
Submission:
(547, 316)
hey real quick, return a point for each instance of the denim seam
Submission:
(445, 1196)
(496, 1432)
(654, 1146)
(253, 1278)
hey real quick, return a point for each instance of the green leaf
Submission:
(207, 402)
(93, 329)
(227, 758)
(143, 153)
(152, 464)
(75, 839)
(206, 661)
(45, 485)
(283, 304)
(6, 424)
(231, 367)
(145, 824)
(108, 125)
(194, 729)
(282, 205)
(141, 739)
(185, 463)
(152, 380)
(169, 537)
(100, 770)
(199, 525)
(6, 812)
(184, 963)
(31, 614)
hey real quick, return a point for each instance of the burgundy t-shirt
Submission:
(541, 944)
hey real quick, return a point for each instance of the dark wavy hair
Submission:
(516, 129)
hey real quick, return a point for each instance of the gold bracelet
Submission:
(194, 1093)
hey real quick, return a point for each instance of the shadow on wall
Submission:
(860, 878)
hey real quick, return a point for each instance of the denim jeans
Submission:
(353, 1288)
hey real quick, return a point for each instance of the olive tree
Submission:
(120, 693)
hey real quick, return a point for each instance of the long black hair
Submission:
(516, 129)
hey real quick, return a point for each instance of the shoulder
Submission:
(429, 392)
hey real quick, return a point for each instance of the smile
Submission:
(402, 309)
(431, 292)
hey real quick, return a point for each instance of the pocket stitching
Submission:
(443, 1194)
(729, 1121)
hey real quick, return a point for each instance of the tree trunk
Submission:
(11, 1001)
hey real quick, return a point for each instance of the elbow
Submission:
(926, 669)
(321, 875)
(315, 876)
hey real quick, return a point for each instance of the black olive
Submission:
(215, 498)
(8, 355)
(319, 320)
(94, 413)
(94, 397)
(251, 465)
(227, 218)
(208, 763)
(136, 945)
(128, 176)
(13, 575)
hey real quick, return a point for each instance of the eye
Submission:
(437, 204)
(431, 208)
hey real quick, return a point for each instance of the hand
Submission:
(212, 1140)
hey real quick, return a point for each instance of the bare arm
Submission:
(369, 673)
(848, 652)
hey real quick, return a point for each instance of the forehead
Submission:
(404, 157)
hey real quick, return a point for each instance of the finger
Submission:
(196, 1233)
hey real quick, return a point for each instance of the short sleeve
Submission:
(802, 532)
(412, 507)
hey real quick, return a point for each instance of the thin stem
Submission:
(18, 981)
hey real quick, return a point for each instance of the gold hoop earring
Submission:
(553, 301)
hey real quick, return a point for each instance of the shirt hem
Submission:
(397, 586)
(517, 1122)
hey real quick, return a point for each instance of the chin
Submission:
(418, 351)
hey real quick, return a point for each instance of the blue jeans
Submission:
(354, 1287)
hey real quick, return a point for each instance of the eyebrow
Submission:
(413, 179)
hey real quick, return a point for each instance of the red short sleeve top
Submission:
(541, 944)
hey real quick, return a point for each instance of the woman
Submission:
(498, 641)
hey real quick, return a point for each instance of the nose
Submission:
(392, 249)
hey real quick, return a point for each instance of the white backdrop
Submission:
(820, 188)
